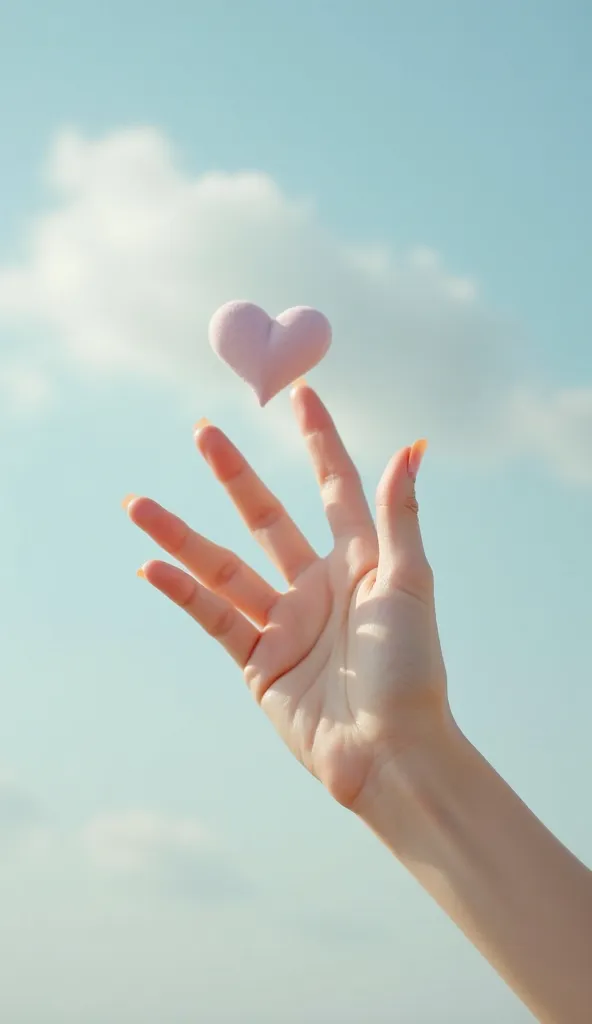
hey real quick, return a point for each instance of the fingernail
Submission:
(416, 455)
(141, 574)
(203, 422)
(299, 383)
(127, 500)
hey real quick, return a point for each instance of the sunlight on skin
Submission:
(347, 666)
(297, 650)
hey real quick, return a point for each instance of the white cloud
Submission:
(127, 842)
(178, 854)
(126, 267)
(151, 852)
(558, 426)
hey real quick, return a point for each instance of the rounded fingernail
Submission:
(203, 422)
(128, 500)
(140, 572)
(416, 455)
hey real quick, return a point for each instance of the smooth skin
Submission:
(348, 667)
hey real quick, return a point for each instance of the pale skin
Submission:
(347, 665)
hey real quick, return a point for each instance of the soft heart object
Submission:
(269, 354)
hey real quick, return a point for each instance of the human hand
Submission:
(347, 662)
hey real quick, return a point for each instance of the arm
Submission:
(514, 890)
(348, 667)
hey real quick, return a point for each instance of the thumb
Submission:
(400, 546)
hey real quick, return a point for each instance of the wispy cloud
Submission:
(169, 854)
(151, 852)
(557, 425)
(125, 267)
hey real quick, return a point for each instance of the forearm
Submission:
(516, 892)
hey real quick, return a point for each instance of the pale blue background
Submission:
(464, 126)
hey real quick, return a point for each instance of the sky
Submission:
(420, 173)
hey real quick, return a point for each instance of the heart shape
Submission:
(269, 354)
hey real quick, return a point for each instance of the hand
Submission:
(347, 663)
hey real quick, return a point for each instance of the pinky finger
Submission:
(215, 615)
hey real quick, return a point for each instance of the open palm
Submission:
(347, 662)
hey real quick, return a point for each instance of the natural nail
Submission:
(127, 500)
(415, 457)
(203, 422)
(141, 574)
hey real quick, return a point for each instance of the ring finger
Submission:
(217, 568)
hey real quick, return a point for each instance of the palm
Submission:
(348, 658)
(327, 676)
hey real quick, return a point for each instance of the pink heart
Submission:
(269, 354)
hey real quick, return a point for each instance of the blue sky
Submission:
(421, 173)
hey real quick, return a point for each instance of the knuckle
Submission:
(411, 504)
(414, 575)
(176, 546)
(186, 600)
(338, 474)
(221, 624)
(428, 575)
(265, 517)
(226, 572)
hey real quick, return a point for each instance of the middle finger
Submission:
(263, 513)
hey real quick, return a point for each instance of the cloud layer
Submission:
(125, 267)
(169, 854)
(153, 852)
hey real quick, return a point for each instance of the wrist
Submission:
(410, 796)
(505, 880)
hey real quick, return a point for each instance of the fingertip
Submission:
(150, 571)
(311, 412)
(297, 385)
(303, 398)
(141, 510)
(143, 572)
(296, 394)
(222, 456)
(204, 432)
(415, 458)
(127, 501)
(200, 430)
(170, 580)
(395, 475)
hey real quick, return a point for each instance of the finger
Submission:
(343, 496)
(401, 552)
(264, 515)
(232, 630)
(217, 568)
